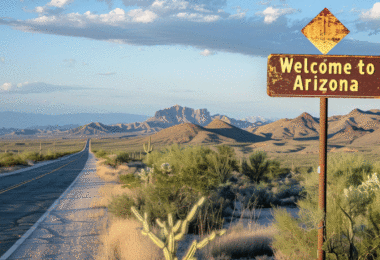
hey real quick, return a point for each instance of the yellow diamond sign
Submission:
(325, 31)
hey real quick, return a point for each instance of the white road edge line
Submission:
(35, 226)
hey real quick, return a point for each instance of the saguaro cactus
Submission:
(149, 148)
(181, 228)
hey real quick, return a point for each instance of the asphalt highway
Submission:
(27, 195)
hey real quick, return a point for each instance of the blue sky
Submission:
(139, 56)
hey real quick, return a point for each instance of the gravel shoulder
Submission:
(70, 228)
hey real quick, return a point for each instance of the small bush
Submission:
(121, 206)
(8, 154)
(11, 160)
(130, 181)
(33, 156)
(293, 241)
(122, 158)
(49, 156)
(101, 153)
(261, 168)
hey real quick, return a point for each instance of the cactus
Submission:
(181, 228)
(149, 148)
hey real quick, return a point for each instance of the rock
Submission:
(30, 162)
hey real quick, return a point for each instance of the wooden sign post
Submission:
(323, 76)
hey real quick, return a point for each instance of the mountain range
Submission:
(183, 125)
(162, 119)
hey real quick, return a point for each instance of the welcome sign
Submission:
(336, 76)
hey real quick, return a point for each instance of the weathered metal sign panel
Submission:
(330, 76)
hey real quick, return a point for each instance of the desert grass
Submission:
(113, 188)
(122, 238)
(288, 151)
(19, 154)
(241, 242)
(31, 145)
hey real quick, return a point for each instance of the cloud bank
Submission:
(198, 23)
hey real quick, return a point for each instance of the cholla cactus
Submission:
(146, 175)
(365, 190)
(166, 167)
(181, 228)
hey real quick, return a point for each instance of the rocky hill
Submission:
(355, 127)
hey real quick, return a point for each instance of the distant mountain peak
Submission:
(307, 116)
(357, 110)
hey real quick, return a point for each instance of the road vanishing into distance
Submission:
(27, 195)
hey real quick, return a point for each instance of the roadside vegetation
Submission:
(23, 153)
(173, 180)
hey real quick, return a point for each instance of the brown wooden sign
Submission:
(330, 76)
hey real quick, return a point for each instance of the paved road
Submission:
(27, 195)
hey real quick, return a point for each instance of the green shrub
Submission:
(11, 160)
(350, 225)
(121, 206)
(130, 181)
(189, 166)
(33, 156)
(101, 153)
(122, 157)
(190, 175)
(7, 154)
(261, 169)
(49, 156)
(223, 162)
(293, 241)
(110, 162)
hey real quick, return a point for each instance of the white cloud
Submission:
(240, 14)
(140, 16)
(59, 3)
(170, 4)
(40, 9)
(116, 15)
(158, 4)
(372, 14)
(19, 85)
(272, 14)
(198, 17)
(7, 86)
(115, 18)
(200, 8)
(369, 20)
(117, 41)
(207, 52)
(148, 26)
(51, 8)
